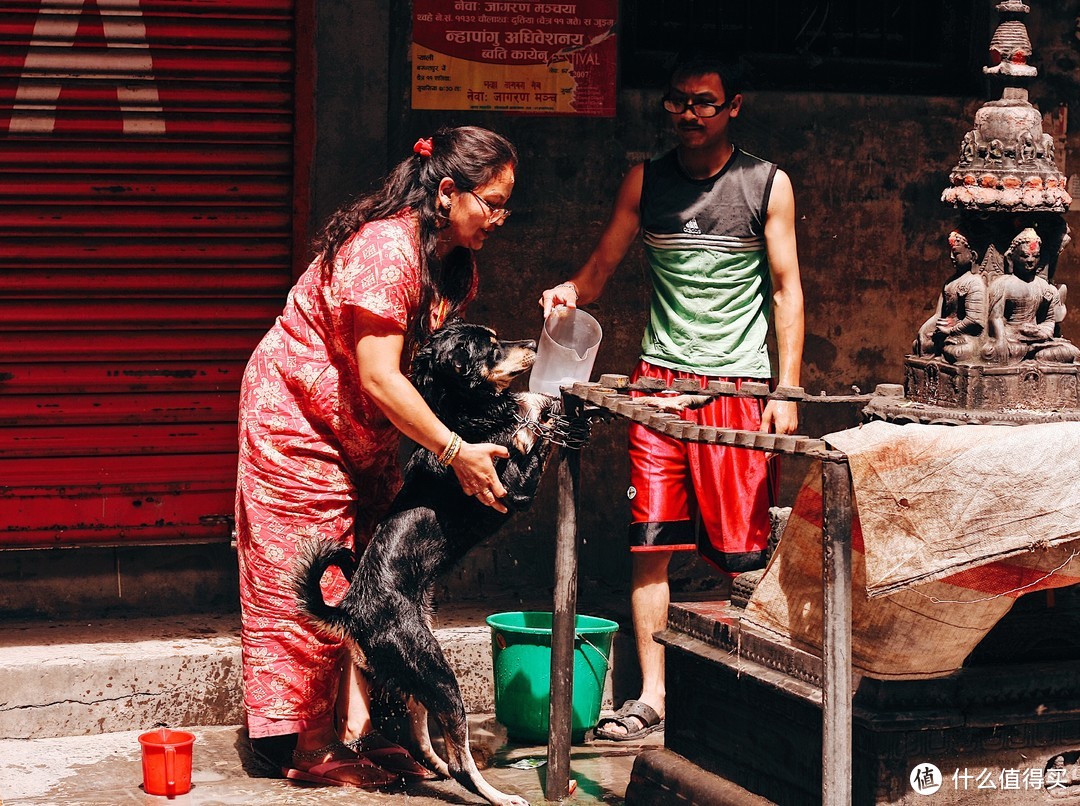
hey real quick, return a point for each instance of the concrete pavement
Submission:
(74, 696)
(105, 770)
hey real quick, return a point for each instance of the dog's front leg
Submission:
(463, 766)
(522, 475)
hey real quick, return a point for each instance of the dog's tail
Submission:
(315, 557)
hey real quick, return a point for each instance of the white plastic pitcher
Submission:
(567, 350)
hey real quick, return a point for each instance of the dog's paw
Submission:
(513, 800)
(553, 407)
(534, 409)
(537, 405)
(524, 439)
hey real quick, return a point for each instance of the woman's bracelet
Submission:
(570, 284)
(450, 452)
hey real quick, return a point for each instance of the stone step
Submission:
(102, 676)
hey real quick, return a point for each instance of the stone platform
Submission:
(992, 731)
(937, 392)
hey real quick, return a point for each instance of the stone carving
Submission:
(1012, 316)
(1026, 310)
(993, 347)
(1010, 46)
(1025, 148)
(955, 330)
(967, 149)
(1008, 165)
(1048, 147)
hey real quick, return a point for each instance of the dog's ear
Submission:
(445, 359)
(462, 359)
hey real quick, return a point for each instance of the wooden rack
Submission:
(611, 396)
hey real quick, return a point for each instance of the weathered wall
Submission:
(868, 172)
(352, 46)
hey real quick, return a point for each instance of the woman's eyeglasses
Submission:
(702, 109)
(494, 214)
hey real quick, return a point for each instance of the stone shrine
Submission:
(992, 351)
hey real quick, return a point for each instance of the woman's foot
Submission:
(391, 757)
(336, 765)
(274, 751)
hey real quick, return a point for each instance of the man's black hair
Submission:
(700, 64)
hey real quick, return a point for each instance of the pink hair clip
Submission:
(423, 147)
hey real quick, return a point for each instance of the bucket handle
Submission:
(599, 651)
(579, 636)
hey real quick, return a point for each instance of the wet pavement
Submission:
(105, 770)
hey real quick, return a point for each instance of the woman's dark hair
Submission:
(469, 155)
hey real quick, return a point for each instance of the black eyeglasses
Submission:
(702, 109)
(494, 214)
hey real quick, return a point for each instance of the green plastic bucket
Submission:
(521, 657)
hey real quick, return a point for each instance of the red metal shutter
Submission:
(146, 211)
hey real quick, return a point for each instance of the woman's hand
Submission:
(474, 466)
(379, 349)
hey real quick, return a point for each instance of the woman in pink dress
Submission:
(324, 403)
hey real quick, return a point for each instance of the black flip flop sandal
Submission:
(631, 709)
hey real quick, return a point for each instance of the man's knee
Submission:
(650, 567)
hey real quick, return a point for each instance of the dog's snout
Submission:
(524, 344)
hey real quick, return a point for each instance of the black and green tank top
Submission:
(705, 241)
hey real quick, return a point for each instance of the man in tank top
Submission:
(718, 227)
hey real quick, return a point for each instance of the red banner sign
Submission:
(537, 58)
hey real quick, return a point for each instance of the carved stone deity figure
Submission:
(1025, 309)
(955, 330)
(1025, 147)
(1048, 146)
(967, 148)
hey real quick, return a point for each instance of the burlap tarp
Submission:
(950, 526)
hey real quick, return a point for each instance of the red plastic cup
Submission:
(166, 762)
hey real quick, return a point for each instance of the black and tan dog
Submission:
(462, 372)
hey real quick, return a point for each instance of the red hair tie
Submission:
(423, 147)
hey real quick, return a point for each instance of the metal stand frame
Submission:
(611, 396)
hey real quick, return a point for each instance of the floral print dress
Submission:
(318, 459)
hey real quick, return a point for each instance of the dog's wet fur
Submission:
(463, 372)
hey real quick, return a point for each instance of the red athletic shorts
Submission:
(689, 495)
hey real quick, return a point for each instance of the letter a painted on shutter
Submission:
(52, 59)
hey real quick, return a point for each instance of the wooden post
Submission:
(557, 785)
(836, 641)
